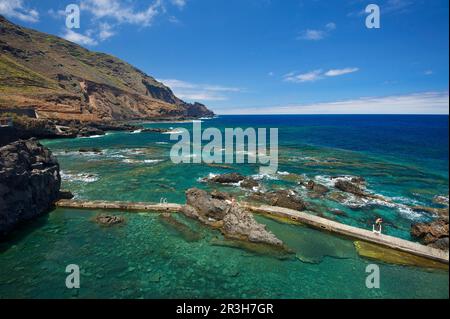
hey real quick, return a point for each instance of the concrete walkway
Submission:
(125, 206)
(355, 233)
(301, 217)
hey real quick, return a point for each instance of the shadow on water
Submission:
(22, 231)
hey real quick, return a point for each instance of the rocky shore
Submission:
(25, 128)
(29, 183)
(345, 189)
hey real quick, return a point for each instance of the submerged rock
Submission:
(186, 232)
(393, 256)
(434, 234)
(109, 220)
(29, 182)
(232, 220)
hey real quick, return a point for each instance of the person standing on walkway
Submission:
(377, 226)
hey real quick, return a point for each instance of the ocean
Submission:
(404, 160)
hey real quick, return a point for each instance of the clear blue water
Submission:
(403, 158)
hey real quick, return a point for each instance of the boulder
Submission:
(316, 188)
(349, 187)
(90, 150)
(231, 219)
(109, 220)
(29, 182)
(64, 194)
(234, 178)
(249, 183)
(231, 178)
(281, 198)
(434, 234)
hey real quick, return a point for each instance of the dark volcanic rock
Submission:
(316, 188)
(232, 220)
(249, 183)
(63, 194)
(231, 178)
(434, 234)
(155, 130)
(234, 178)
(281, 198)
(90, 150)
(349, 187)
(29, 182)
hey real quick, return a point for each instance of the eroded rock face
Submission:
(349, 187)
(434, 234)
(232, 220)
(29, 182)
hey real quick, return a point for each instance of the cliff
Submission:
(29, 183)
(63, 80)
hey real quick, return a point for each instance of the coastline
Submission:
(136, 149)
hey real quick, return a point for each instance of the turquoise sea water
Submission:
(403, 158)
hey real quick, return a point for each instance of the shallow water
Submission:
(402, 158)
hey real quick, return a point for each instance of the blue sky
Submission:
(270, 56)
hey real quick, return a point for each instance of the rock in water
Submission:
(349, 187)
(316, 188)
(234, 178)
(434, 234)
(109, 220)
(29, 182)
(281, 198)
(233, 221)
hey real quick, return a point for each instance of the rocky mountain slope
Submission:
(63, 80)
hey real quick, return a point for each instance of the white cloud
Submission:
(105, 31)
(312, 35)
(304, 77)
(56, 14)
(317, 75)
(79, 38)
(121, 12)
(317, 34)
(428, 72)
(387, 7)
(179, 3)
(199, 92)
(330, 26)
(337, 72)
(16, 9)
(109, 14)
(417, 103)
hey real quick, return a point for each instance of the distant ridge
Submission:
(63, 80)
